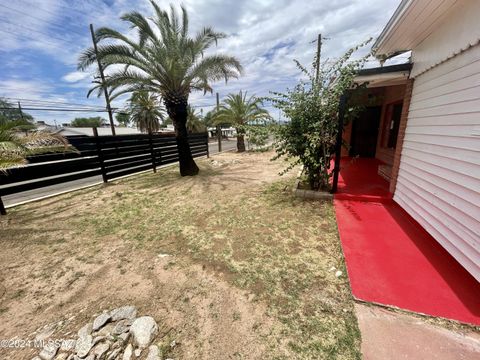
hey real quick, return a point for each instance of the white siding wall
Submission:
(439, 176)
(445, 37)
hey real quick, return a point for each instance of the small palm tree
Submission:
(163, 59)
(240, 111)
(14, 148)
(12, 153)
(146, 111)
(194, 121)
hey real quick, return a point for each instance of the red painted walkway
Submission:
(390, 258)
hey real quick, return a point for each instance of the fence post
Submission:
(151, 151)
(100, 155)
(208, 149)
(2, 207)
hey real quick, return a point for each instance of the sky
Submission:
(40, 42)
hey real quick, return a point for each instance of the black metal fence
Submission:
(108, 156)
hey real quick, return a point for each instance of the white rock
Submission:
(138, 352)
(84, 345)
(127, 354)
(124, 312)
(105, 330)
(122, 326)
(48, 352)
(100, 320)
(97, 339)
(36, 358)
(143, 331)
(101, 349)
(338, 273)
(124, 337)
(84, 331)
(153, 353)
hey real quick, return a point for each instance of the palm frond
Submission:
(164, 58)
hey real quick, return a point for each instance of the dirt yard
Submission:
(229, 264)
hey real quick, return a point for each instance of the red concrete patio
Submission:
(391, 259)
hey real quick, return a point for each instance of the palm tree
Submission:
(194, 121)
(163, 59)
(238, 111)
(146, 111)
(14, 148)
(12, 152)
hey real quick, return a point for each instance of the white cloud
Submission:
(256, 30)
(75, 76)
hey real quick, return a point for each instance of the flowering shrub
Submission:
(312, 106)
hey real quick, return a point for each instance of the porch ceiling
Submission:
(385, 79)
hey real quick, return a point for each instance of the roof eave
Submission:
(377, 46)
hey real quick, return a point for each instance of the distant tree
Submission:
(167, 121)
(123, 118)
(240, 111)
(146, 110)
(88, 122)
(195, 123)
(208, 119)
(11, 113)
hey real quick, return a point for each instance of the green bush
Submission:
(309, 137)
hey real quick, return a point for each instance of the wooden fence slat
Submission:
(122, 160)
(47, 182)
(127, 164)
(38, 170)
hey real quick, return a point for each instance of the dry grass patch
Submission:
(234, 231)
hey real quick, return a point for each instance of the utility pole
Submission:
(319, 52)
(105, 90)
(20, 109)
(219, 128)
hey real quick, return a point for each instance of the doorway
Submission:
(365, 132)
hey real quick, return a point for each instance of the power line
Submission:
(59, 109)
(60, 6)
(48, 22)
(50, 102)
(35, 31)
(26, 37)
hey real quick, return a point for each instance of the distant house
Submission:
(88, 131)
(423, 120)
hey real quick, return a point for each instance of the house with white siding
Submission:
(423, 120)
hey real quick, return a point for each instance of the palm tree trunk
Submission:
(178, 114)
(240, 143)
